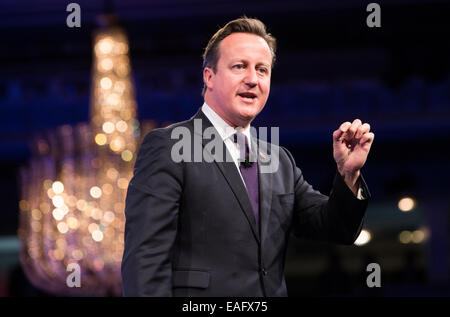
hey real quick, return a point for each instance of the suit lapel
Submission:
(231, 174)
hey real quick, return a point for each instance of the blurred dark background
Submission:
(330, 68)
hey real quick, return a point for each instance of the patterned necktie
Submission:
(249, 171)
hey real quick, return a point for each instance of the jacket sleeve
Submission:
(336, 218)
(151, 212)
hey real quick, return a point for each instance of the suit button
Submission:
(264, 271)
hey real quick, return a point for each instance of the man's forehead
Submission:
(245, 43)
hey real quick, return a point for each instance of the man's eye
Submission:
(263, 70)
(238, 66)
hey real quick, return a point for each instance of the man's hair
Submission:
(242, 25)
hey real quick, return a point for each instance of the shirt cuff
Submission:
(360, 195)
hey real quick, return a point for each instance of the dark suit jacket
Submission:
(190, 229)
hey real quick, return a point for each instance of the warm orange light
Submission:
(406, 204)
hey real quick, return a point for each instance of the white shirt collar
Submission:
(224, 129)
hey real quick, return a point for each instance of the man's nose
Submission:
(251, 78)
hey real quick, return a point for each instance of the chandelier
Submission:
(74, 186)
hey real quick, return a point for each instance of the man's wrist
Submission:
(351, 179)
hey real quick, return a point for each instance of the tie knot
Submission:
(240, 138)
(241, 141)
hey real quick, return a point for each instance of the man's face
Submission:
(240, 87)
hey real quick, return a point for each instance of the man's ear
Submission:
(208, 74)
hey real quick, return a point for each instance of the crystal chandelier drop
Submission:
(74, 187)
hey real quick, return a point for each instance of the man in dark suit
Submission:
(219, 225)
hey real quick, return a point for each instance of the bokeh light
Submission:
(406, 204)
(363, 238)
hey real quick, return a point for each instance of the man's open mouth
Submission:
(249, 95)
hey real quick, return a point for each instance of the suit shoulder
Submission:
(166, 132)
(272, 148)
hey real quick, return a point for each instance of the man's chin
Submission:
(247, 116)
